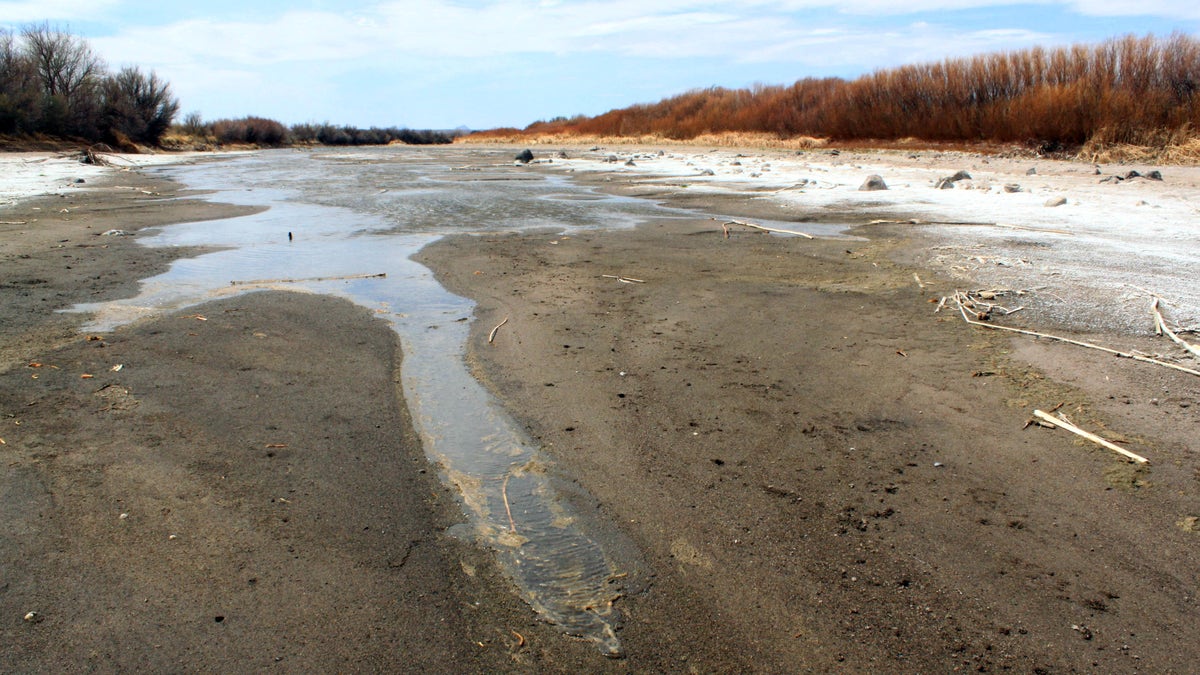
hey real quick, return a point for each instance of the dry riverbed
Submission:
(803, 465)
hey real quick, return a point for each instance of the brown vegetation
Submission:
(1128, 91)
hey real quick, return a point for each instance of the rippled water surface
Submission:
(365, 212)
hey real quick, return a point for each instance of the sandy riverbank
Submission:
(817, 472)
(824, 474)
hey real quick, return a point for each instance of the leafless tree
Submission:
(18, 87)
(65, 63)
(138, 105)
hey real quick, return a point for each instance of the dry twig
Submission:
(1160, 326)
(260, 282)
(1059, 421)
(960, 296)
(512, 524)
(492, 335)
(764, 228)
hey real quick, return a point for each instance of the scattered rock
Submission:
(949, 181)
(1154, 175)
(1012, 187)
(1032, 171)
(873, 182)
(707, 172)
(630, 163)
(80, 181)
(114, 233)
(1056, 201)
(525, 156)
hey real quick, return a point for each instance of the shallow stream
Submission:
(345, 223)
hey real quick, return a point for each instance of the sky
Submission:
(441, 64)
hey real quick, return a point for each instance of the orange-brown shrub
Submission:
(1124, 91)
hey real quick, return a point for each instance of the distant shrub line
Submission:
(53, 84)
(270, 133)
(1134, 90)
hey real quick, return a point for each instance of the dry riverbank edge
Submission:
(823, 473)
(819, 472)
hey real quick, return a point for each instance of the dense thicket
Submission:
(1139, 90)
(267, 132)
(52, 83)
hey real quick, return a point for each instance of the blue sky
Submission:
(490, 63)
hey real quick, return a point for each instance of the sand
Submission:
(809, 468)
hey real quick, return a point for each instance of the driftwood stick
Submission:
(764, 228)
(512, 524)
(1161, 327)
(259, 282)
(968, 223)
(492, 335)
(1079, 343)
(1058, 421)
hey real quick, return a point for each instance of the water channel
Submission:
(336, 214)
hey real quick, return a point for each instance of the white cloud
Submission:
(737, 29)
(17, 13)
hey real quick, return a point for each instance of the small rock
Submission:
(114, 233)
(949, 181)
(873, 182)
(1012, 187)
(1056, 201)
(80, 181)
(525, 156)
(707, 172)
(33, 617)
(1032, 171)
(1154, 175)
(630, 163)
